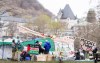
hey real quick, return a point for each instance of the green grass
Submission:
(2, 61)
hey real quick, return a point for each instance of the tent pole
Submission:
(3, 49)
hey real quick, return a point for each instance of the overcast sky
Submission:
(79, 7)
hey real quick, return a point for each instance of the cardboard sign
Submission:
(41, 57)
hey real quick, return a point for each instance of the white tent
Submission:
(5, 52)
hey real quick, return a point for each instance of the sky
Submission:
(79, 7)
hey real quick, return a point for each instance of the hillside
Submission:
(21, 8)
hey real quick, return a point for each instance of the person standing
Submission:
(39, 45)
(90, 55)
(47, 47)
(94, 51)
(36, 45)
(28, 47)
(41, 49)
(81, 54)
(14, 49)
(18, 40)
(77, 54)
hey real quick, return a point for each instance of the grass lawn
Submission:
(6, 61)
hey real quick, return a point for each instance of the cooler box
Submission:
(49, 57)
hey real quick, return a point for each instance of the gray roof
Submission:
(13, 19)
(7, 17)
(67, 13)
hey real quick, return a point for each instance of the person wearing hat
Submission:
(39, 45)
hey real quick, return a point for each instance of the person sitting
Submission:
(22, 56)
(27, 57)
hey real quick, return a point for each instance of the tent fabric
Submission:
(51, 42)
(32, 42)
(5, 43)
(20, 47)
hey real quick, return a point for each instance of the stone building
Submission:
(67, 16)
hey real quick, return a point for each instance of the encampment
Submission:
(6, 49)
(43, 40)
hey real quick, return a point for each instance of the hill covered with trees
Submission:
(21, 8)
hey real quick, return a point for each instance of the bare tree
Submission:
(44, 24)
(98, 11)
(89, 32)
(12, 27)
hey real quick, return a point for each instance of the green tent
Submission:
(5, 43)
(32, 42)
(20, 47)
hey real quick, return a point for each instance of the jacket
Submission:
(47, 46)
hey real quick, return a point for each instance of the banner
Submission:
(34, 51)
(87, 45)
(65, 45)
(23, 29)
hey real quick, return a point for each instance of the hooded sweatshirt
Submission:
(47, 46)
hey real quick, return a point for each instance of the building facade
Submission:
(67, 16)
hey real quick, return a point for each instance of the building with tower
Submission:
(67, 16)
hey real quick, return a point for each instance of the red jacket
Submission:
(28, 48)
